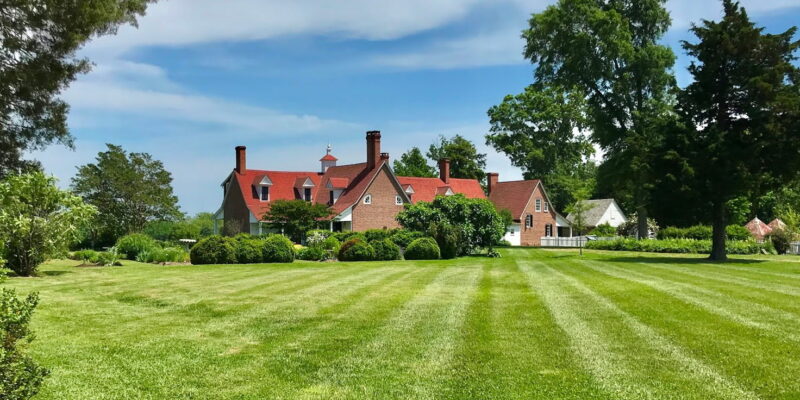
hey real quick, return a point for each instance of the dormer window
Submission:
(307, 194)
(546, 207)
(332, 199)
(368, 199)
(264, 193)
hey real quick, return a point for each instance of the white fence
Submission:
(575, 241)
(794, 248)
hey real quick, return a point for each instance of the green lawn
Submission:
(535, 324)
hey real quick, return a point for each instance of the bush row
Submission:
(703, 232)
(676, 246)
(243, 249)
(400, 237)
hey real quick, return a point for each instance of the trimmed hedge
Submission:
(403, 237)
(674, 246)
(356, 250)
(385, 250)
(377, 234)
(703, 232)
(214, 249)
(277, 249)
(129, 246)
(345, 236)
(249, 250)
(165, 255)
(311, 254)
(423, 249)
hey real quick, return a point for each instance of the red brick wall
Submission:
(381, 213)
(237, 216)
(532, 236)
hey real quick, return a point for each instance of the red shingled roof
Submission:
(328, 157)
(758, 228)
(426, 189)
(513, 196)
(283, 187)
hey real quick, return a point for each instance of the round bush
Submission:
(248, 250)
(214, 250)
(311, 254)
(277, 249)
(781, 240)
(385, 250)
(356, 250)
(377, 234)
(345, 236)
(422, 249)
(135, 243)
(403, 238)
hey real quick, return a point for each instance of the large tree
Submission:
(37, 62)
(413, 163)
(541, 131)
(465, 160)
(609, 50)
(128, 189)
(294, 218)
(744, 110)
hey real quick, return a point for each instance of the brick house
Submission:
(362, 196)
(533, 214)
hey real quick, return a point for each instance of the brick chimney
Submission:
(385, 157)
(241, 159)
(491, 181)
(444, 170)
(373, 148)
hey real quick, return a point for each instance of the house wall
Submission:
(237, 216)
(513, 235)
(381, 213)
(532, 236)
(613, 216)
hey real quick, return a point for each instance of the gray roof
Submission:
(593, 215)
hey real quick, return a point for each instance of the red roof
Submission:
(328, 157)
(339, 183)
(426, 189)
(282, 188)
(777, 224)
(758, 228)
(513, 196)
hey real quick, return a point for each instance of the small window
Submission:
(511, 232)
(548, 230)
(307, 194)
(331, 199)
(368, 199)
(398, 200)
(546, 207)
(265, 193)
(529, 221)
(538, 205)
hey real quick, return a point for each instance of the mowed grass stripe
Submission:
(512, 348)
(735, 280)
(408, 358)
(776, 322)
(706, 377)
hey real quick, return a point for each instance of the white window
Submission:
(265, 193)
(398, 200)
(511, 232)
(546, 207)
(538, 205)
(368, 199)
(529, 221)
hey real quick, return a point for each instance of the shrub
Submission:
(109, 258)
(422, 249)
(87, 256)
(345, 236)
(318, 232)
(449, 239)
(504, 243)
(781, 240)
(738, 232)
(214, 249)
(377, 234)
(131, 245)
(165, 255)
(331, 245)
(312, 254)
(356, 249)
(703, 232)
(277, 249)
(674, 246)
(249, 250)
(604, 230)
(385, 250)
(403, 237)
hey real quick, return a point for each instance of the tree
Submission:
(465, 161)
(37, 61)
(128, 189)
(294, 218)
(744, 110)
(38, 221)
(413, 163)
(609, 50)
(578, 212)
(480, 223)
(204, 223)
(540, 130)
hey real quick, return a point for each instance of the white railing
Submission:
(794, 248)
(575, 241)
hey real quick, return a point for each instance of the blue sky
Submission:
(199, 77)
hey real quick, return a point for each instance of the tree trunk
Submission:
(719, 236)
(641, 223)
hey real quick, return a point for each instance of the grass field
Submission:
(535, 324)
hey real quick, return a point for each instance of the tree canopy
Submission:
(742, 111)
(37, 61)
(128, 189)
(465, 160)
(413, 163)
(294, 218)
